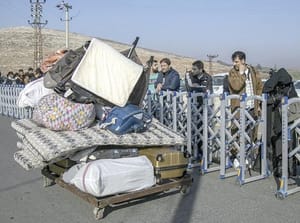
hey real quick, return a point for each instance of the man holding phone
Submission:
(243, 78)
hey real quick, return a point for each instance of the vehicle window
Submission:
(218, 80)
(297, 85)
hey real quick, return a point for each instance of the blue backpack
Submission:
(128, 119)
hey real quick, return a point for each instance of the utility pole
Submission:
(37, 24)
(66, 7)
(210, 58)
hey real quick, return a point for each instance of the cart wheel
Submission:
(47, 182)
(185, 189)
(98, 213)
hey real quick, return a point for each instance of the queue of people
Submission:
(20, 77)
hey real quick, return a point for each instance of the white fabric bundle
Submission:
(32, 93)
(112, 176)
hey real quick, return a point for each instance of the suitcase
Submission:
(168, 163)
(61, 166)
(113, 152)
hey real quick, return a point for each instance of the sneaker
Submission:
(236, 163)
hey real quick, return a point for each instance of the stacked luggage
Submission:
(90, 134)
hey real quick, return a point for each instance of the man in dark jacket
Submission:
(198, 80)
(168, 78)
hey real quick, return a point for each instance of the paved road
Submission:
(23, 199)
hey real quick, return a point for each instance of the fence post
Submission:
(263, 148)
(205, 156)
(189, 124)
(242, 132)
(284, 175)
(161, 106)
(1, 99)
(174, 115)
(223, 137)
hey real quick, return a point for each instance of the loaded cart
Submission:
(52, 151)
(95, 163)
(182, 184)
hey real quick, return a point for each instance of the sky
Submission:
(268, 31)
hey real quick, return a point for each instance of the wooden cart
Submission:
(182, 185)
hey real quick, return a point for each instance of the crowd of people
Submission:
(242, 79)
(20, 77)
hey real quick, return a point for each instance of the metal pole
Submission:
(66, 7)
(37, 24)
(210, 58)
(67, 27)
(223, 137)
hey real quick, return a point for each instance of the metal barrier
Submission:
(248, 148)
(8, 102)
(236, 137)
(230, 130)
(210, 126)
(288, 153)
(208, 123)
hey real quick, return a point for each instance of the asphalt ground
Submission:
(23, 199)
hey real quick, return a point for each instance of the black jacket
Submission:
(204, 82)
(280, 84)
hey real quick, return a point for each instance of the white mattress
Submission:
(107, 73)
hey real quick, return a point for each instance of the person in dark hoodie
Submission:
(198, 80)
(279, 85)
(168, 78)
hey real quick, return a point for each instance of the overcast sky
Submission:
(267, 30)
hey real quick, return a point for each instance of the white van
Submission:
(217, 82)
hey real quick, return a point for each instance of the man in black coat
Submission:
(278, 86)
(198, 80)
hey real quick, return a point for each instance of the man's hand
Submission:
(158, 87)
(242, 68)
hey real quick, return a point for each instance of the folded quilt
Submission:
(27, 160)
(47, 146)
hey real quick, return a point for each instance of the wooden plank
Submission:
(85, 196)
(142, 193)
(119, 198)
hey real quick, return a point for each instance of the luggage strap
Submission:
(84, 175)
(170, 167)
(104, 125)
